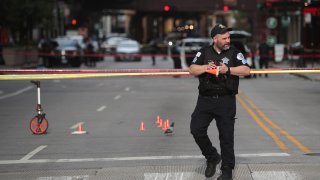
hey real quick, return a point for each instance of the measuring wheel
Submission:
(39, 126)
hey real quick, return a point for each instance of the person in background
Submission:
(264, 51)
(175, 54)
(154, 49)
(91, 58)
(1, 55)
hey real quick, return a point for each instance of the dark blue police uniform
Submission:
(217, 101)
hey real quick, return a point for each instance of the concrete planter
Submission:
(20, 56)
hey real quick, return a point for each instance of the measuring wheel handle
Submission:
(38, 124)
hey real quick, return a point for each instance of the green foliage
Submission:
(21, 13)
(21, 16)
(260, 6)
(242, 21)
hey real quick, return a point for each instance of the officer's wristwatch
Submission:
(228, 72)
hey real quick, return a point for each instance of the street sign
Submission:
(272, 22)
(278, 52)
(285, 21)
(271, 40)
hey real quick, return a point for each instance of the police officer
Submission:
(217, 100)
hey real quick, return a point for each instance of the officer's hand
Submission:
(223, 68)
(211, 65)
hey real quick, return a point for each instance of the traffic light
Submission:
(166, 8)
(74, 22)
(225, 8)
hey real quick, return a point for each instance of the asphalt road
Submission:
(278, 123)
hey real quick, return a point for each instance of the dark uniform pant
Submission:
(264, 63)
(223, 110)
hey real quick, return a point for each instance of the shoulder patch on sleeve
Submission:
(241, 58)
(196, 57)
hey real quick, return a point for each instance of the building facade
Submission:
(155, 19)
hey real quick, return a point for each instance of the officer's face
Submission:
(222, 41)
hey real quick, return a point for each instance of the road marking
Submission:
(76, 125)
(254, 116)
(141, 158)
(16, 93)
(181, 176)
(33, 161)
(32, 153)
(302, 148)
(117, 97)
(167, 175)
(82, 177)
(127, 89)
(130, 158)
(100, 85)
(171, 175)
(278, 175)
(101, 108)
(264, 155)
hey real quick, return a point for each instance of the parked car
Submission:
(111, 43)
(79, 39)
(66, 51)
(295, 53)
(188, 47)
(128, 50)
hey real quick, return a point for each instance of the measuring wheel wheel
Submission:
(38, 126)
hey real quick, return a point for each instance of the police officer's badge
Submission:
(225, 60)
(241, 58)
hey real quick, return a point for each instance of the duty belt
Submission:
(216, 96)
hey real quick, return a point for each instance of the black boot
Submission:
(211, 167)
(226, 174)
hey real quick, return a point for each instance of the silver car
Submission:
(128, 50)
(188, 47)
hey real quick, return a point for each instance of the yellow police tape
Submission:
(86, 75)
(103, 75)
(284, 71)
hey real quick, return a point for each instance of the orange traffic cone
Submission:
(160, 123)
(166, 125)
(79, 131)
(158, 119)
(142, 127)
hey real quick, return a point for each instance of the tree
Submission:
(21, 16)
